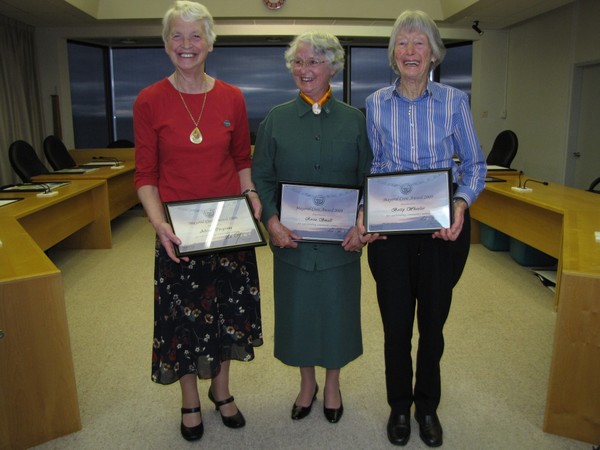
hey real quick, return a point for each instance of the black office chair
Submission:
(25, 161)
(57, 154)
(504, 149)
(121, 143)
(594, 185)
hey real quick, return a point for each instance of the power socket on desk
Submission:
(47, 194)
(521, 189)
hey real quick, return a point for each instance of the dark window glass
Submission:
(259, 71)
(370, 70)
(455, 70)
(261, 74)
(134, 69)
(88, 95)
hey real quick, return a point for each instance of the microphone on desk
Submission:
(117, 161)
(523, 187)
(545, 183)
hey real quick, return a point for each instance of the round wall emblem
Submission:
(274, 4)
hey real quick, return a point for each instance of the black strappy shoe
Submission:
(191, 433)
(235, 421)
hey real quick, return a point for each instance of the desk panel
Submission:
(537, 226)
(37, 380)
(79, 215)
(561, 221)
(121, 191)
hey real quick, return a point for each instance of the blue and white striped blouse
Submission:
(426, 133)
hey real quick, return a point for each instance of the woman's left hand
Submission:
(452, 233)
(357, 237)
(256, 204)
(354, 241)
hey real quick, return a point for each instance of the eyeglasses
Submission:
(298, 63)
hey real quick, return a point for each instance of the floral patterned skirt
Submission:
(205, 311)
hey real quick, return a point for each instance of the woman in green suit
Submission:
(314, 139)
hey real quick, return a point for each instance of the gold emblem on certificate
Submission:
(408, 202)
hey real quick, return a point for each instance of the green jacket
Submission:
(295, 145)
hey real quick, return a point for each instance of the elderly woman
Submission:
(419, 124)
(192, 141)
(316, 139)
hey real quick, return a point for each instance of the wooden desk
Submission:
(37, 379)
(561, 221)
(78, 217)
(121, 191)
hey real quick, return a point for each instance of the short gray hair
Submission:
(189, 12)
(417, 21)
(322, 43)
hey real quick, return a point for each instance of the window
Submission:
(132, 70)
(106, 81)
(88, 95)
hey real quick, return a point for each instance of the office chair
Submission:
(25, 161)
(504, 149)
(57, 154)
(121, 143)
(594, 185)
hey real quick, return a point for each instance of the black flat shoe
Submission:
(300, 412)
(235, 421)
(398, 428)
(430, 430)
(334, 415)
(191, 433)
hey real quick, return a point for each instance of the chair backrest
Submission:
(594, 187)
(504, 149)
(121, 143)
(57, 154)
(25, 161)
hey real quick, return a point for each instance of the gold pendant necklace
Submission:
(195, 136)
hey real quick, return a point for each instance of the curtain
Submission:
(21, 114)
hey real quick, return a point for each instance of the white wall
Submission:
(539, 56)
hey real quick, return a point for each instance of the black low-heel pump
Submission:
(300, 412)
(334, 415)
(191, 433)
(235, 421)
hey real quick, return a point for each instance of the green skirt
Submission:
(317, 315)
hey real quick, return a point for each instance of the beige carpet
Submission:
(494, 371)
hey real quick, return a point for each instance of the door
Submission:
(583, 158)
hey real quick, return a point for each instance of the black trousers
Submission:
(416, 273)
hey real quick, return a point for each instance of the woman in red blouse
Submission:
(192, 141)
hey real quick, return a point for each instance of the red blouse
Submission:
(165, 156)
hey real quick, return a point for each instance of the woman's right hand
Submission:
(168, 239)
(280, 235)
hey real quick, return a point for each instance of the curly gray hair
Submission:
(322, 43)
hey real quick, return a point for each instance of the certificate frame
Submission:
(418, 201)
(321, 213)
(213, 225)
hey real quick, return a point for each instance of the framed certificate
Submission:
(408, 202)
(214, 224)
(318, 213)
